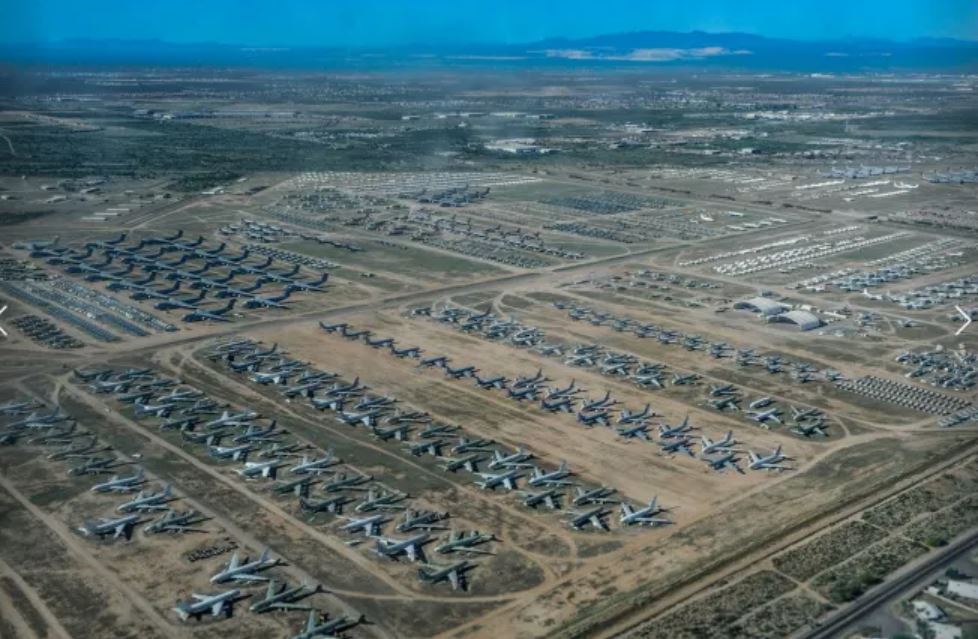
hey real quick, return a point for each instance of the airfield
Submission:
(569, 394)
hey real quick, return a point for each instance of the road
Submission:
(913, 577)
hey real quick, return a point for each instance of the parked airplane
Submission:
(147, 501)
(768, 462)
(380, 501)
(118, 527)
(199, 605)
(121, 484)
(394, 548)
(454, 573)
(708, 446)
(284, 598)
(548, 497)
(325, 629)
(721, 463)
(645, 516)
(593, 517)
(235, 570)
(174, 522)
(506, 479)
(555, 477)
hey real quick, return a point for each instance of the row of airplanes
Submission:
(198, 271)
(630, 424)
(494, 466)
(86, 456)
(806, 422)
(294, 467)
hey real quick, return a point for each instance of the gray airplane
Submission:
(394, 548)
(118, 527)
(555, 477)
(468, 462)
(762, 417)
(380, 501)
(95, 466)
(547, 497)
(332, 504)
(645, 516)
(506, 479)
(640, 431)
(709, 446)
(325, 629)
(517, 459)
(227, 418)
(176, 522)
(315, 466)
(237, 571)
(599, 495)
(728, 460)
(666, 431)
(768, 462)
(284, 598)
(199, 605)
(121, 484)
(234, 453)
(677, 445)
(454, 573)
(147, 501)
(462, 542)
(342, 482)
(370, 526)
(593, 517)
(267, 469)
(14, 407)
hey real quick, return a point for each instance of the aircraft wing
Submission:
(456, 579)
(218, 608)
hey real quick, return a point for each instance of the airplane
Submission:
(762, 402)
(35, 421)
(708, 446)
(568, 391)
(437, 430)
(315, 466)
(151, 501)
(599, 495)
(300, 486)
(454, 573)
(228, 418)
(553, 478)
(767, 462)
(394, 548)
(79, 450)
(307, 389)
(218, 315)
(679, 444)
(520, 393)
(174, 522)
(380, 501)
(474, 445)
(565, 404)
(330, 504)
(727, 401)
(121, 484)
(593, 517)
(258, 301)
(592, 418)
(119, 527)
(175, 304)
(369, 525)
(719, 390)
(95, 466)
(429, 362)
(516, 459)
(256, 434)
(380, 342)
(342, 482)
(548, 497)
(311, 285)
(498, 382)
(234, 453)
(278, 376)
(667, 432)
(423, 519)
(267, 469)
(763, 417)
(284, 598)
(413, 352)
(325, 629)
(604, 402)
(628, 417)
(460, 542)
(459, 373)
(639, 431)
(647, 379)
(400, 433)
(198, 605)
(368, 417)
(645, 516)
(727, 460)
(468, 462)
(506, 479)
(332, 328)
(807, 413)
(234, 570)
(14, 407)
(810, 430)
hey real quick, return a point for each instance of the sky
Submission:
(378, 23)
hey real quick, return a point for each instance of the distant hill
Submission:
(720, 51)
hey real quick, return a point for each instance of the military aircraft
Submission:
(217, 315)
(461, 542)
(719, 390)
(506, 479)
(369, 525)
(564, 404)
(325, 629)
(257, 434)
(556, 477)
(15, 407)
(83, 449)
(266, 469)
(284, 598)
(234, 453)
(329, 505)
(682, 444)
(174, 522)
(593, 517)
(394, 548)
(639, 431)
(468, 462)
(725, 402)
(118, 527)
(199, 605)
(762, 417)
(667, 432)
(599, 495)
(147, 501)
(768, 462)
(800, 414)
(590, 418)
(300, 485)
(721, 463)
(380, 501)
(399, 432)
(342, 482)
(516, 459)
(629, 417)
(121, 484)
(645, 516)
(548, 497)
(315, 466)
(413, 352)
(454, 573)
(235, 570)
(258, 301)
(709, 446)
(810, 429)
(227, 418)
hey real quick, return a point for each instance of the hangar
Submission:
(761, 305)
(803, 319)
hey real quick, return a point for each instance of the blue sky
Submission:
(393, 22)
